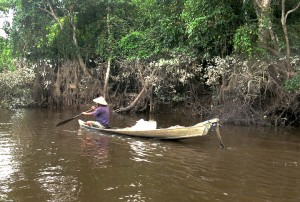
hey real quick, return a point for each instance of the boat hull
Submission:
(200, 129)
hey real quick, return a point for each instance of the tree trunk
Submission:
(267, 38)
(151, 100)
(263, 12)
(78, 54)
(284, 16)
(146, 85)
(134, 103)
(105, 88)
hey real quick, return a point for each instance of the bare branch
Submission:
(293, 10)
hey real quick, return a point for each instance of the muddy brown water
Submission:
(41, 162)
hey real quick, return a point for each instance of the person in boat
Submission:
(100, 112)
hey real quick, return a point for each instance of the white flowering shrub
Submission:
(295, 62)
(16, 88)
(174, 75)
(254, 91)
(246, 77)
(218, 67)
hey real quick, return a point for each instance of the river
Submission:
(41, 162)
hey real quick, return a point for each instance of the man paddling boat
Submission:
(100, 112)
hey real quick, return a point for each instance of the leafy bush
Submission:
(16, 88)
(137, 45)
(292, 85)
(245, 40)
(6, 60)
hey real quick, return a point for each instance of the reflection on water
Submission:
(144, 151)
(95, 147)
(57, 185)
(41, 162)
(8, 164)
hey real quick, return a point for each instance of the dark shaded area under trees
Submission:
(237, 60)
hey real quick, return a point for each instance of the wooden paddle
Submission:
(219, 136)
(70, 119)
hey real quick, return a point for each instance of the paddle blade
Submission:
(68, 120)
(64, 122)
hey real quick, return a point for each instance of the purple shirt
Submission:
(102, 115)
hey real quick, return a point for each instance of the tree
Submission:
(69, 11)
(267, 37)
(284, 16)
(210, 25)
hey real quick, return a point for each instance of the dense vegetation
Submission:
(238, 60)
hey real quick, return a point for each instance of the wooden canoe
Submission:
(175, 132)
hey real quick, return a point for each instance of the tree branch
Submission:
(52, 13)
(146, 85)
(293, 10)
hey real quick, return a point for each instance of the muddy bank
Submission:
(237, 91)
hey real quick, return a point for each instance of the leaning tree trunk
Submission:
(146, 87)
(136, 100)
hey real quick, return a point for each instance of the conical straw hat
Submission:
(100, 100)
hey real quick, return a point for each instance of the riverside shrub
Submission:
(16, 88)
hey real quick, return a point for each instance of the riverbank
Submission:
(239, 92)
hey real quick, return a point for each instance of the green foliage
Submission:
(160, 24)
(245, 40)
(209, 25)
(30, 30)
(4, 5)
(59, 43)
(6, 59)
(293, 85)
(53, 32)
(112, 24)
(137, 29)
(136, 45)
